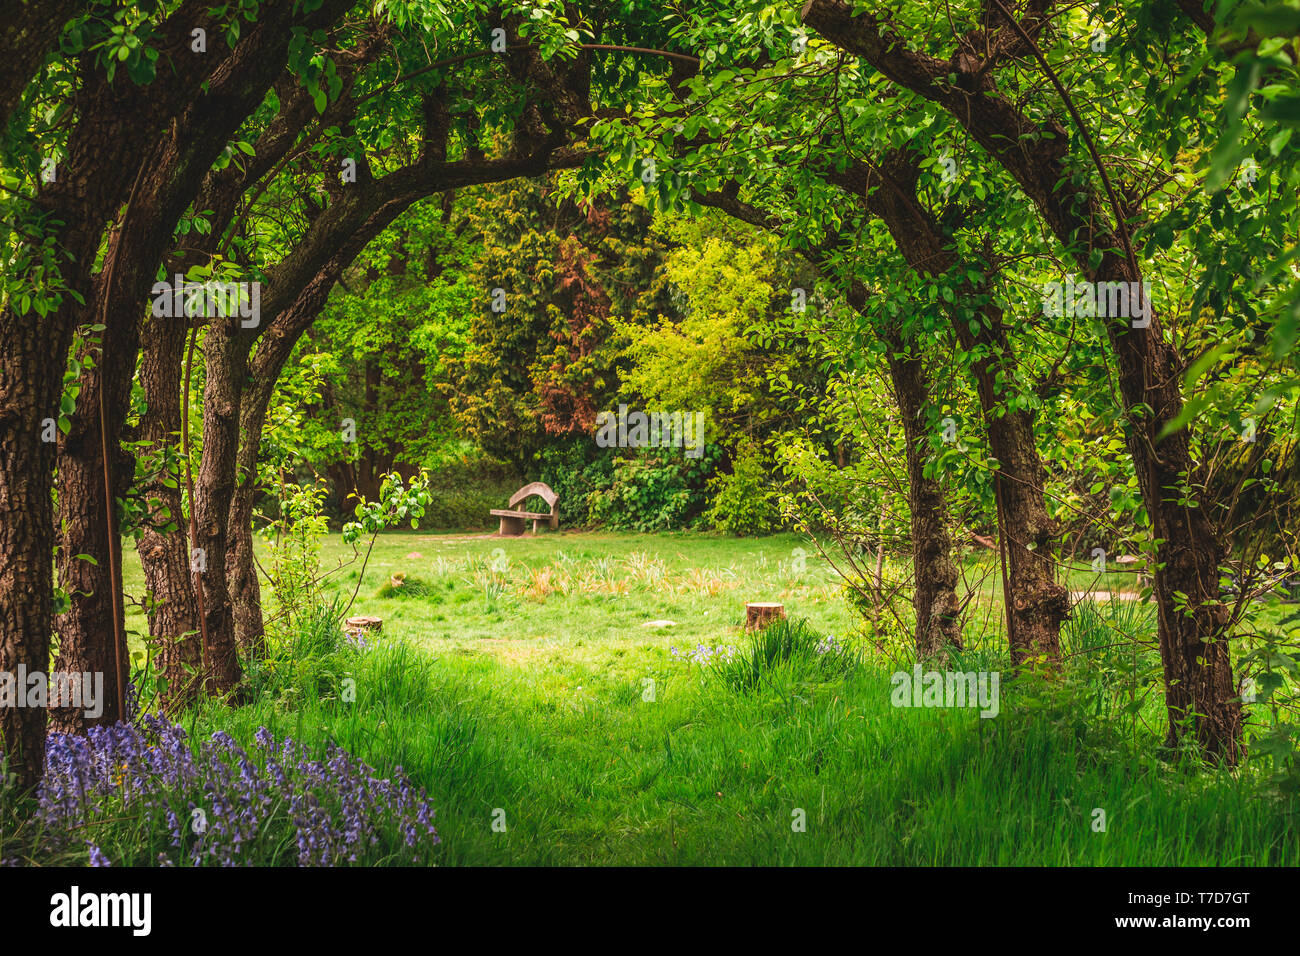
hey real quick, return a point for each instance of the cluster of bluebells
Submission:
(830, 645)
(220, 804)
(355, 638)
(131, 702)
(703, 654)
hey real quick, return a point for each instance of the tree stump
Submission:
(760, 614)
(356, 625)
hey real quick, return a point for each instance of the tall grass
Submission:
(711, 771)
(787, 645)
(589, 769)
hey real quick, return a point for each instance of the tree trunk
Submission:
(1036, 603)
(938, 624)
(31, 366)
(89, 627)
(245, 587)
(225, 365)
(30, 32)
(164, 546)
(89, 185)
(166, 185)
(1193, 623)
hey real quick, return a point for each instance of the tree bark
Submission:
(938, 621)
(165, 185)
(30, 365)
(88, 628)
(164, 546)
(225, 357)
(88, 187)
(27, 36)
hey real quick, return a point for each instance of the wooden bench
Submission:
(513, 518)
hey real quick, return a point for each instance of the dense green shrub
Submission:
(648, 490)
(575, 469)
(648, 494)
(463, 492)
(743, 502)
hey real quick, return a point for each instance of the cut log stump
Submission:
(760, 614)
(355, 625)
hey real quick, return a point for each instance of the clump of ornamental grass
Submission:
(309, 658)
(142, 795)
(786, 645)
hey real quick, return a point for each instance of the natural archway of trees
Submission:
(999, 289)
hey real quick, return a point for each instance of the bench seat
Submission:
(513, 518)
(501, 513)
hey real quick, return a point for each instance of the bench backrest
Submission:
(538, 488)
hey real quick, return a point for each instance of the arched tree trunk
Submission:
(90, 185)
(1189, 549)
(938, 622)
(166, 183)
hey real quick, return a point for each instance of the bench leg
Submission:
(511, 527)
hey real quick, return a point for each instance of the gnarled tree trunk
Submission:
(225, 364)
(31, 364)
(1035, 601)
(89, 627)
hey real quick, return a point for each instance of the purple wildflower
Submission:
(217, 804)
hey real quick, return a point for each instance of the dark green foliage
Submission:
(544, 365)
(646, 494)
(576, 470)
(647, 490)
(465, 490)
(743, 501)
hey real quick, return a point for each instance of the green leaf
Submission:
(1284, 109)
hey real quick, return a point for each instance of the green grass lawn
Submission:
(522, 689)
(584, 596)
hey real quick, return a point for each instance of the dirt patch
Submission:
(1077, 596)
